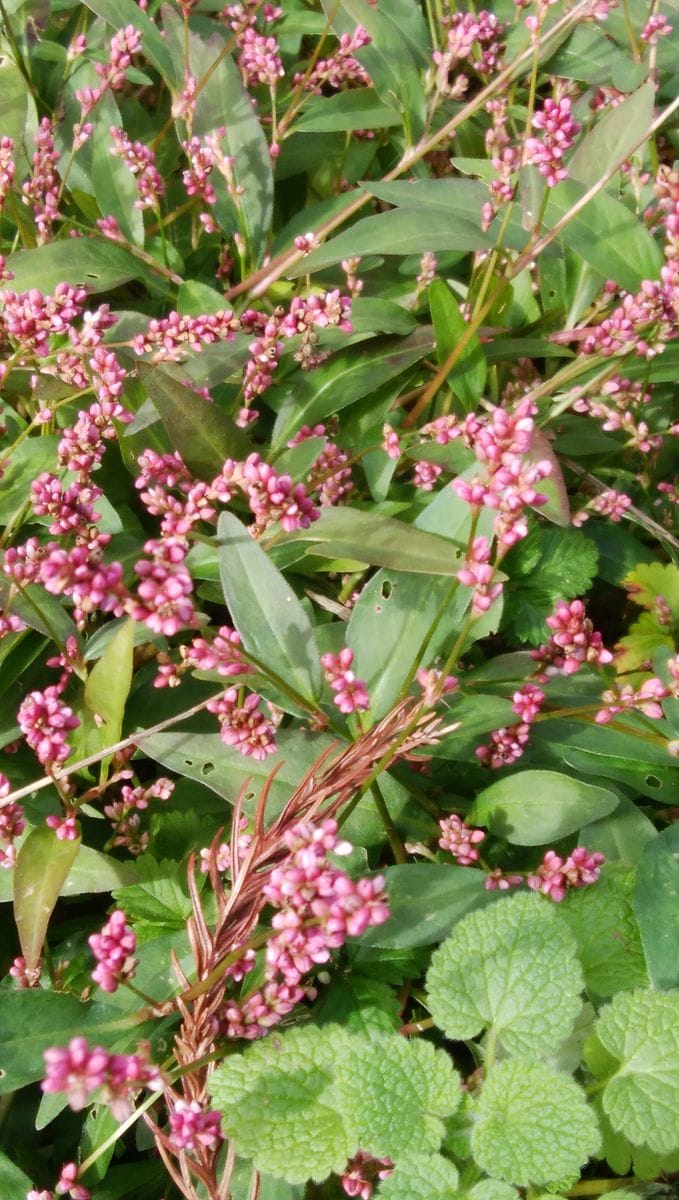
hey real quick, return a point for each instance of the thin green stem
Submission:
(397, 847)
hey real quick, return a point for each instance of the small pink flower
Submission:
(460, 839)
(114, 949)
(350, 692)
(192, 1126)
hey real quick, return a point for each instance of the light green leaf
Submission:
(656, 904)
(91, 872)
(115, 188)
(397, 233)
(614, 135)
(358, 109)
(639, 1031)
(648, 581)
(621, 837)
(602, 921)
(106, 691)
(425, 902)
(347, 377)
(158, 902)
(13, 1183)
(589, 56)
(203, 434)
(95, 263)
(30, 459)
(368, 537)
(511, 969)
(468, 376)
(532, 808)
(43, 864)
(424, 1177)
(265, 610)
(533, 1124)
(119, 13)
(280, 1107)
(492, 1189)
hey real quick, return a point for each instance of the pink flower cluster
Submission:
(460, 839)
(260, 59)
(41, 189)
(574, 641)
(556, 875)
(620, 407)
(79, 1070)
(506, 745)
(271, 497)
(29, 319)
(113, 948)
(559, 130)
(501, 443)
(342, 70)
(319, 907)
(141, 161)
(330, 474)
(243, 725)
(124, 812)
(473, 38)
(12, 824)
(123, 45)
(192, 1126)
(45, 722)
(623, 698)
(170, 338)
(362, 1172)
(479, 574)
(350, 693)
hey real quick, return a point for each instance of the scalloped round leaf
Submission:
(492, 1189)
(640, 1030)
(535, 808)
(279, 1104)
(399, 1091)
(511, 969)
(534, 1124)
(609, 943)
(422, 1178)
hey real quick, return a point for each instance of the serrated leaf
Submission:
(640, 1031)
(533, 1124)
(279, 1104)
(424, 1177)
(203, 434)
(468, 376)
(532, 808)
(551, 564)
(425, 901)
(492, 1189)
(510, 969)
(43, 865)
(649, 581)
(641, 643)
(266, 612)
(602, 921)
(359, 1004)
(399, 1090)
(158, 902)
(656, 904)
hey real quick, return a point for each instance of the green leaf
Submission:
(368, 537)
(532, 808)
(387, 59)
(588, 56)
(43, 864)
(613, 136)
(468, 376)
(656, 904)
(549, 565)
(95, 263)
(602, 921)
(359, 1004)
(621, 837)
(30, 459)
(557, 507)
(279, 1104)
(618, 550)
(224, 103)
(115, 188)
(13, 1183)
(347, 377)
(91, 872)
(265, 610)
(203, 434)
(605, 234)
(424, 1177)
(492, 1189)
(533, 1124)
(158, 902)
(390, 631)
(32, 1020)
(425, 902)
(648, 581)
(106, 691)
(397, 233)
(640, 1031)
(358, 109)
(510, 969)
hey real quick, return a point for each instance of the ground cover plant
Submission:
(339, 675)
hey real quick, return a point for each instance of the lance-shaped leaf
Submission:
(94, 263)
(106, 691)
(43, 864)
(265, 610)
(203, 434)
(467, 377)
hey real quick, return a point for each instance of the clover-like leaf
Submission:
(421, 1178)
(534, 1124)
(511, 969)
(639, 1031)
